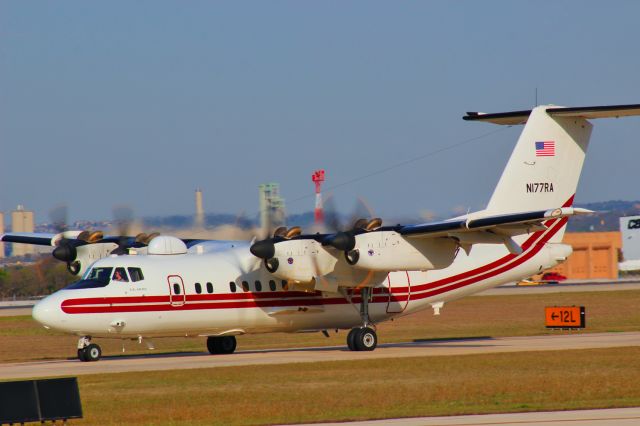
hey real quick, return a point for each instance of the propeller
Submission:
(123, 218)
(343, 237)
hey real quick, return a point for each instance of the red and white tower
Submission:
(318, 177)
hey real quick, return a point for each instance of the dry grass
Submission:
(469, 317)
(350, 390)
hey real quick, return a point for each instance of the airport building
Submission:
(595, 255)
(272, 209)
(22, 221)
(630, 231)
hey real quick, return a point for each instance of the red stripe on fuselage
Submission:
(531, 247)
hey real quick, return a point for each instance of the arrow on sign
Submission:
(554, 316)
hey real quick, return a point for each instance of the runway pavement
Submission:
(606, 417)
(151, 362)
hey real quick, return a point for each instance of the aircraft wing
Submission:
(505, 224)
(35, 238)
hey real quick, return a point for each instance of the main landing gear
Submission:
(88, 351)
(363, 338)
(221, 344)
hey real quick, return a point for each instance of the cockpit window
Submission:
(100, 274)
(120, 275)
(135, 274)
(94, 278)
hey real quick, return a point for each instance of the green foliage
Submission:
(38, 279)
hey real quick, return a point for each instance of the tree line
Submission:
(41, 278)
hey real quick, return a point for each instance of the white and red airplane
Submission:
(164, 286)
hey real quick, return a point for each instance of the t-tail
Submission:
(545, 166)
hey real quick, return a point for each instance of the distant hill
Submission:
(606, 217)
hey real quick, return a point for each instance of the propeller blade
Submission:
(58, 216)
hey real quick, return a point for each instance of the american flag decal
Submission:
(545, 149)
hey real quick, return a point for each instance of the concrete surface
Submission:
(605, 417)
(177, 361)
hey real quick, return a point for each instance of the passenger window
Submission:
(209, 288)
(120, 275)
(198, 288)
(258, 286)
(284, 284)
(232, 287)
(245, 286)
(135, 274)
(272, 285)
(176, 288)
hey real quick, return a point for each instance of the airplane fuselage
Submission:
(207, 292)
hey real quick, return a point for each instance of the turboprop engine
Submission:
(300, 261)
(389, 251)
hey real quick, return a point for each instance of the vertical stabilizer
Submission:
(545, 165)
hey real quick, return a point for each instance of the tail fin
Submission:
(546, 163)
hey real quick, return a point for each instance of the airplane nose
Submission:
(43, 311)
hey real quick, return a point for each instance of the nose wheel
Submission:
(363, 338)
(88, 351)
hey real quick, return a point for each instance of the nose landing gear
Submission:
(363, 338)
(88, 351)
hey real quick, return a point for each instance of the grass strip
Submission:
(368, 389)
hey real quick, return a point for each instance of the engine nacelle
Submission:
(88, 254)
(390, 251)
(300, 260)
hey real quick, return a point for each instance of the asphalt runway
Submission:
(14, 312)
(179, 361)
(612, 416)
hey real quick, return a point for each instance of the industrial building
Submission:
(199, 219)
(22, 221)
(272, 209)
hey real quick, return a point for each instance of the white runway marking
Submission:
(174, 361)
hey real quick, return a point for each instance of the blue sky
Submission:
(141, 102)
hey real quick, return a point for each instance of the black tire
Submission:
(227, 344)
(366, 339)
(221, 345)
(91, 353)
(351, 339)
(81, 354)
(211, 346)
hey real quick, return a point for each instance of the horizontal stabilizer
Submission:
(590, 112)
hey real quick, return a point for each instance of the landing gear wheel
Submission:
(90, 353)
(366, 339)
(221, 345)
(351, 339)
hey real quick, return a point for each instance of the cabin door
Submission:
(399, 288)
(177, 296)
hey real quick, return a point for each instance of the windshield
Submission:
(96, 277)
